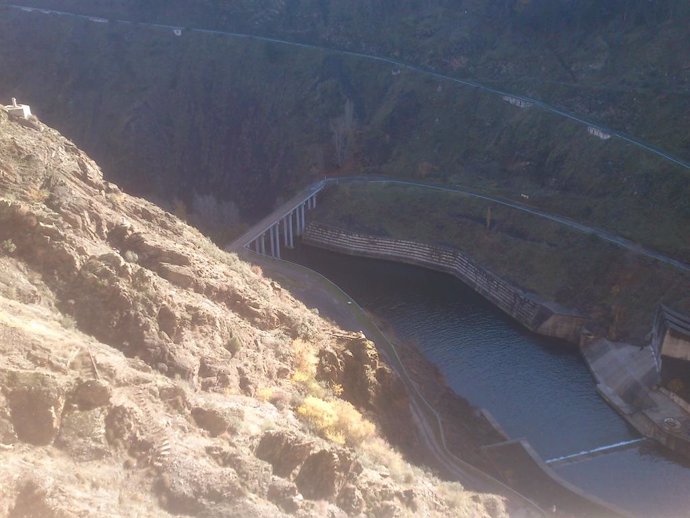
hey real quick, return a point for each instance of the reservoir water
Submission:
(536, 388)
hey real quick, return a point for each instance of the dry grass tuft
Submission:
(306, 361)
(336, 420)
(379, 452)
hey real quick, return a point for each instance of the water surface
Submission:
(536, 388)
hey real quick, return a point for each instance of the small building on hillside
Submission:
(21, 111)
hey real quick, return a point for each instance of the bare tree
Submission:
(343, 128)
(213, 215)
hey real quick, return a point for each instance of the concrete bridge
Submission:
(288, 221)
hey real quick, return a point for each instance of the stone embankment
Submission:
(627, 376)
(537, 315)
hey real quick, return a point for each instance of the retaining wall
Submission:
(522, 468)
(512, 461)
(537, 315)
(671, 335)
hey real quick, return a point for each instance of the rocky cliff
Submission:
(145, 372)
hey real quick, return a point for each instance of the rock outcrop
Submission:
(145, 372)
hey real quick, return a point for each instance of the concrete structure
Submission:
(598, 132)
(521, 468)
(670, 335)
(627, 379)
(538, 315)
(516, 101)
(20, 111)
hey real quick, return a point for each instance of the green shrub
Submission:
(7, 247)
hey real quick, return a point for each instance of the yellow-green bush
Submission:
(336, 420)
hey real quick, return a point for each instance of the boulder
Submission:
(215, 421)
(285, 495)
(192, 486)
(91, 394)
(83, 435)
(285, 451)
(325, 472)
(36, 403)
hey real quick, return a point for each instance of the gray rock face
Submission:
(325, 472)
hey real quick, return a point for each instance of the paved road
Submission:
(399, 64)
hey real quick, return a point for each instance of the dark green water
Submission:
(536, 388)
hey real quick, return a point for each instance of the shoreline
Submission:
(629, 388)
(550, 490)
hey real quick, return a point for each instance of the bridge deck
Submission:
(283, 210)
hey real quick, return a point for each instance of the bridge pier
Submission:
(302, 219)
(284, 221)
(298, 220)
(293, 223)
(275, 240)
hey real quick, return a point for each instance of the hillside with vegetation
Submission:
(235, 124)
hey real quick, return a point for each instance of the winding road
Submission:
(536, 103)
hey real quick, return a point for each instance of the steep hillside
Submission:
(617, 62)
(145, 372)
(229, 125)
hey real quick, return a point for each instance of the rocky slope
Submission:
(618, 290)
(145, 372)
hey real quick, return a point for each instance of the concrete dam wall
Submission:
(540, 316)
